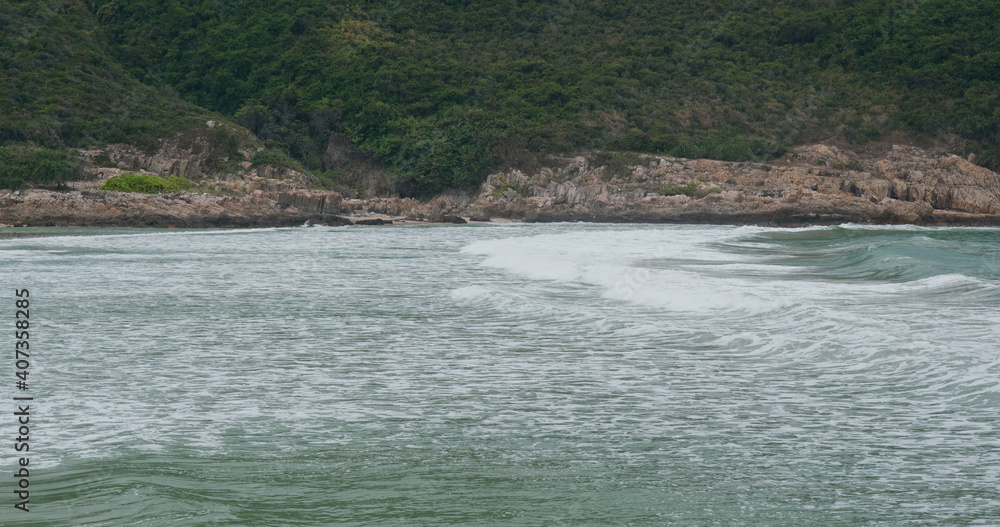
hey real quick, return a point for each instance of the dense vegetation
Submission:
(59, 88)
(145, 183)
(441, 91)
(24, 163)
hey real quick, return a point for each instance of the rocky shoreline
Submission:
(813, 185)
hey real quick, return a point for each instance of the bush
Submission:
(618, 164)
(22, 164)
(693, 190)
(432, 155)
(146, 184)
(729, 145)
(275, 157)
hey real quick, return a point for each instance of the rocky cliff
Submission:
(817, 184)
(814, 184)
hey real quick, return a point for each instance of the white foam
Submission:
(626, 266)
(690, 296)
(535, 266)
(469, 292)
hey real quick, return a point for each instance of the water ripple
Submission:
(516, 375)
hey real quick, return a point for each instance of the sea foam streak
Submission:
(627, 266)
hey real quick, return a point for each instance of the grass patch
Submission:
(146, 184)
(853, 164)
(694, 190)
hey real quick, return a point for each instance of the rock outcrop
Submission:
(183, 209)
(817, 184)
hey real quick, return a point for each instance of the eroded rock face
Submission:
(256, 195)
(183, 209)
(817, 184)
(192, 163)
(231, 200)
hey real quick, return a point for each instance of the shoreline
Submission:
(797, 218)
(947, 220)
(813, 185)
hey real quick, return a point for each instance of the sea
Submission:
(563, 374)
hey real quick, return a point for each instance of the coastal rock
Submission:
(196, 155)
(814, 184)
(817, 184)
(182, 209)
(444, 218)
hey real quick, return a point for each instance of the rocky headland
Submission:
(814, 184)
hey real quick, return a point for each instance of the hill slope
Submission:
(59, 88)
(441, 92)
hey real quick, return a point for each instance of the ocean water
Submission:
(558, 374)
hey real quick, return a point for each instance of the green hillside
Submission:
(59, 88)
(441, 91)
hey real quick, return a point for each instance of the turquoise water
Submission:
(561, 374)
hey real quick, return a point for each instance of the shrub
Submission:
(22, 164)
(146, 184)
(693, 190)
(729, 145)
(618, 164)
(275, 157)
